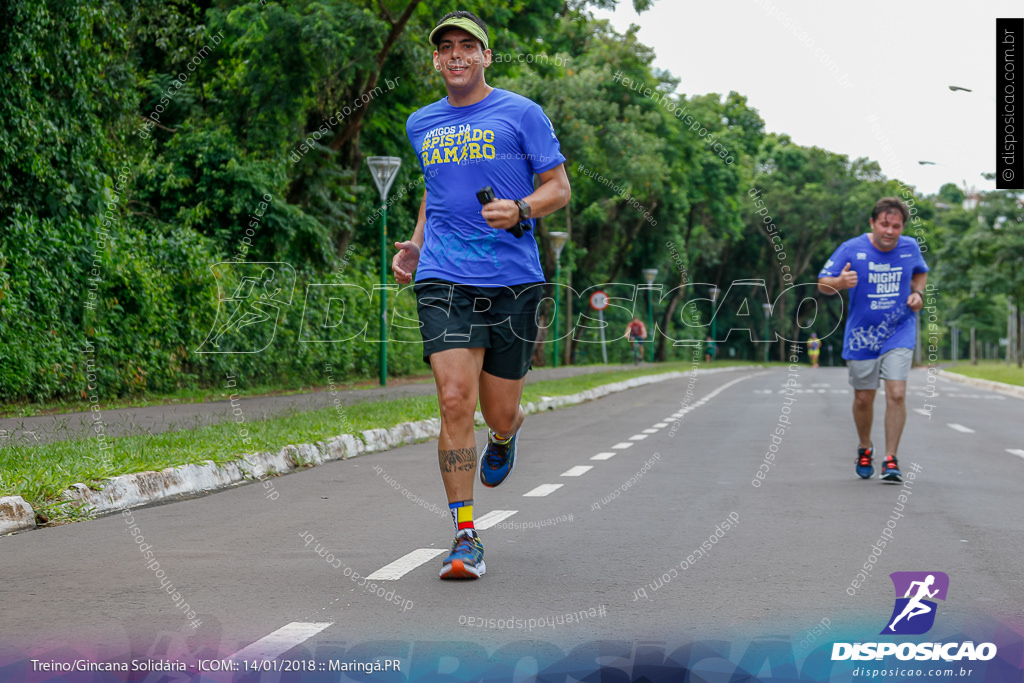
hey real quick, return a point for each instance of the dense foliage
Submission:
(144, 142)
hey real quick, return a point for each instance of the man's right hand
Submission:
(405, 261)
(847, 278)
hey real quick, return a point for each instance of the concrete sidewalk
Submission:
(30, 431)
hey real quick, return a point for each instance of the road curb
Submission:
(1001, 387)
(16, 515)
(142, 488)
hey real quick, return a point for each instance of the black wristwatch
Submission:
(524, 209)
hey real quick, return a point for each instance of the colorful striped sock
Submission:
(499, 439)
(462, 514)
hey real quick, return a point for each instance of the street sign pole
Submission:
(383, 170)
(558, 240)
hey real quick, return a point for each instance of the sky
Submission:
(820, 78)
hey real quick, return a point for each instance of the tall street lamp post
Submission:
(714, 298)
(650, 274)
(767, 317)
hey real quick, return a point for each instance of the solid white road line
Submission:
(406, 564)
(602, 456)
(960, 428)
(577, 471)
(1016, 451)
(492, 518)
(621, 446)
(280, 641)
(543, 490)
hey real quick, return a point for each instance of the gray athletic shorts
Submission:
(894, 365)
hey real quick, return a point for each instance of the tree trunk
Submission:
(661, 350)
(540, 348)
(356, 122)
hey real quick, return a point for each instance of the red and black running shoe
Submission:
(891, 470)
(864, 467)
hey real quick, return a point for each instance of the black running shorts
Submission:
(502, 320)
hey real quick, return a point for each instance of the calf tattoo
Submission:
(457, 460)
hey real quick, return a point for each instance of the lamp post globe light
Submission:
(558, 240)
(383, 170)
(649, 275)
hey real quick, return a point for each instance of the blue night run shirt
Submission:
(501, 141)
(879, 318)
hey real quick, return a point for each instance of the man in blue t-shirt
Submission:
(886, 274)
(478, 285)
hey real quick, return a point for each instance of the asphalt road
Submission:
(617, 545)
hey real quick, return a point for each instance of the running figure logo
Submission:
(914, 614)
(247, 317)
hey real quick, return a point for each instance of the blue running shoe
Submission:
(498, 460)
(864, 467)
(891, 470)
(466, 560)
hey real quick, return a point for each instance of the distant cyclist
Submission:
(637, 333)
(814, 349)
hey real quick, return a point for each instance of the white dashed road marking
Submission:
(280, 641)
(543, 490)
(960, 428)
(406, 564)
(492, 518)
(602, 456)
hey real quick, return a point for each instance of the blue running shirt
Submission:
(501, 141)
(879, 318)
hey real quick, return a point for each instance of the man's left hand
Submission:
(501, 214)
(915, 301)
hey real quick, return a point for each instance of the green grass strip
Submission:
(41, 473)
(995, 371)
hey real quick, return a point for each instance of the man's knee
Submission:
(456, 400)
(863, 398)
(503, 422)
(895, 392)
